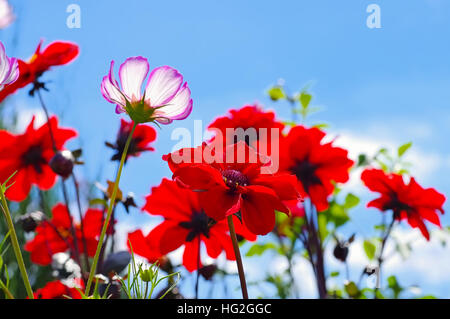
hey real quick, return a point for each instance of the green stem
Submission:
(238, 257)
(5, 289)
(16, 246)
(108, 214)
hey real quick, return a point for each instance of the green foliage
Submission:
(370, 249)
(276, 93)
(259, 249)
(142, 281)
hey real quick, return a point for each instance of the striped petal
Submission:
(163, 84)
(180, 106)
(132, 74)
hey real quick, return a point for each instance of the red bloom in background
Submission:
(185, 224)
(233, 185)
(58, 290)
(315, 164)
(249, 116)
(407, 201)
(29, 154)
(142, 137)
(56, 53)
(55, 236)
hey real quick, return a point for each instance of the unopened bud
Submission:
(62, 163)
(30, 221)
(340, 252)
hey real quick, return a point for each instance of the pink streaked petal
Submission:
(111, 93)
(132, 74)
(163, 84)
(9, 67)
(180, 106)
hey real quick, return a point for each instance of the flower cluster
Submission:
(256, 176)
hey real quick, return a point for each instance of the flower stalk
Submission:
(238, 257)
(109, 212)
(15, 244)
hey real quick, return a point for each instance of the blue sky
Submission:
(387, 85)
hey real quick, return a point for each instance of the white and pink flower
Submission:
(9, 68)
(6, 14)
(165, 97)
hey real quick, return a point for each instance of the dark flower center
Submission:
(234, 178)
(306, 174)
(133, 149)
(199, 224)
(397, 206)
(33, 157)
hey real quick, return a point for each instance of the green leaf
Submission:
(351, 289)
(321, 125)
(370, 249)
(351, 201)
(334, 274)
(322, 225)
(98, 201)
(276, 93)
(402, 149)
(305, 98)
(259, 249)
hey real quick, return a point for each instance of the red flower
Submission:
(29, 155)
(55, 236)
(142, 137)
(233, 184)
(249, 117)
(315, 164)
(407, 201)
(56, 53)
(185, 223)
(58, 290)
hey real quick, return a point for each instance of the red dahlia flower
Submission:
(248, 117)
(56, 53)
(59, 290)
(317, 165)
(142, 137)
(185, 224)
(406, 201)
(29, 154)
(235, 184)
(55, 235)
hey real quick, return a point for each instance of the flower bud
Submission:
(62, 163)
(341, 252)
(31, 220)
(208, 271)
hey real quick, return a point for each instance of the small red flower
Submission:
(235, 184)
(317, 165)
(185, 223)
(55, 235)
(248, 117)
(29, 154)
(56, 53)
(142, 137)
(406, 201)
(59, 290)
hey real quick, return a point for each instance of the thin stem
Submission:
(5, 289)
(80, 212)
(320, 268)
(15, 244)
(383, 245)
(75, 249)
(108, 214)
(238, 257)
(198, 267)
